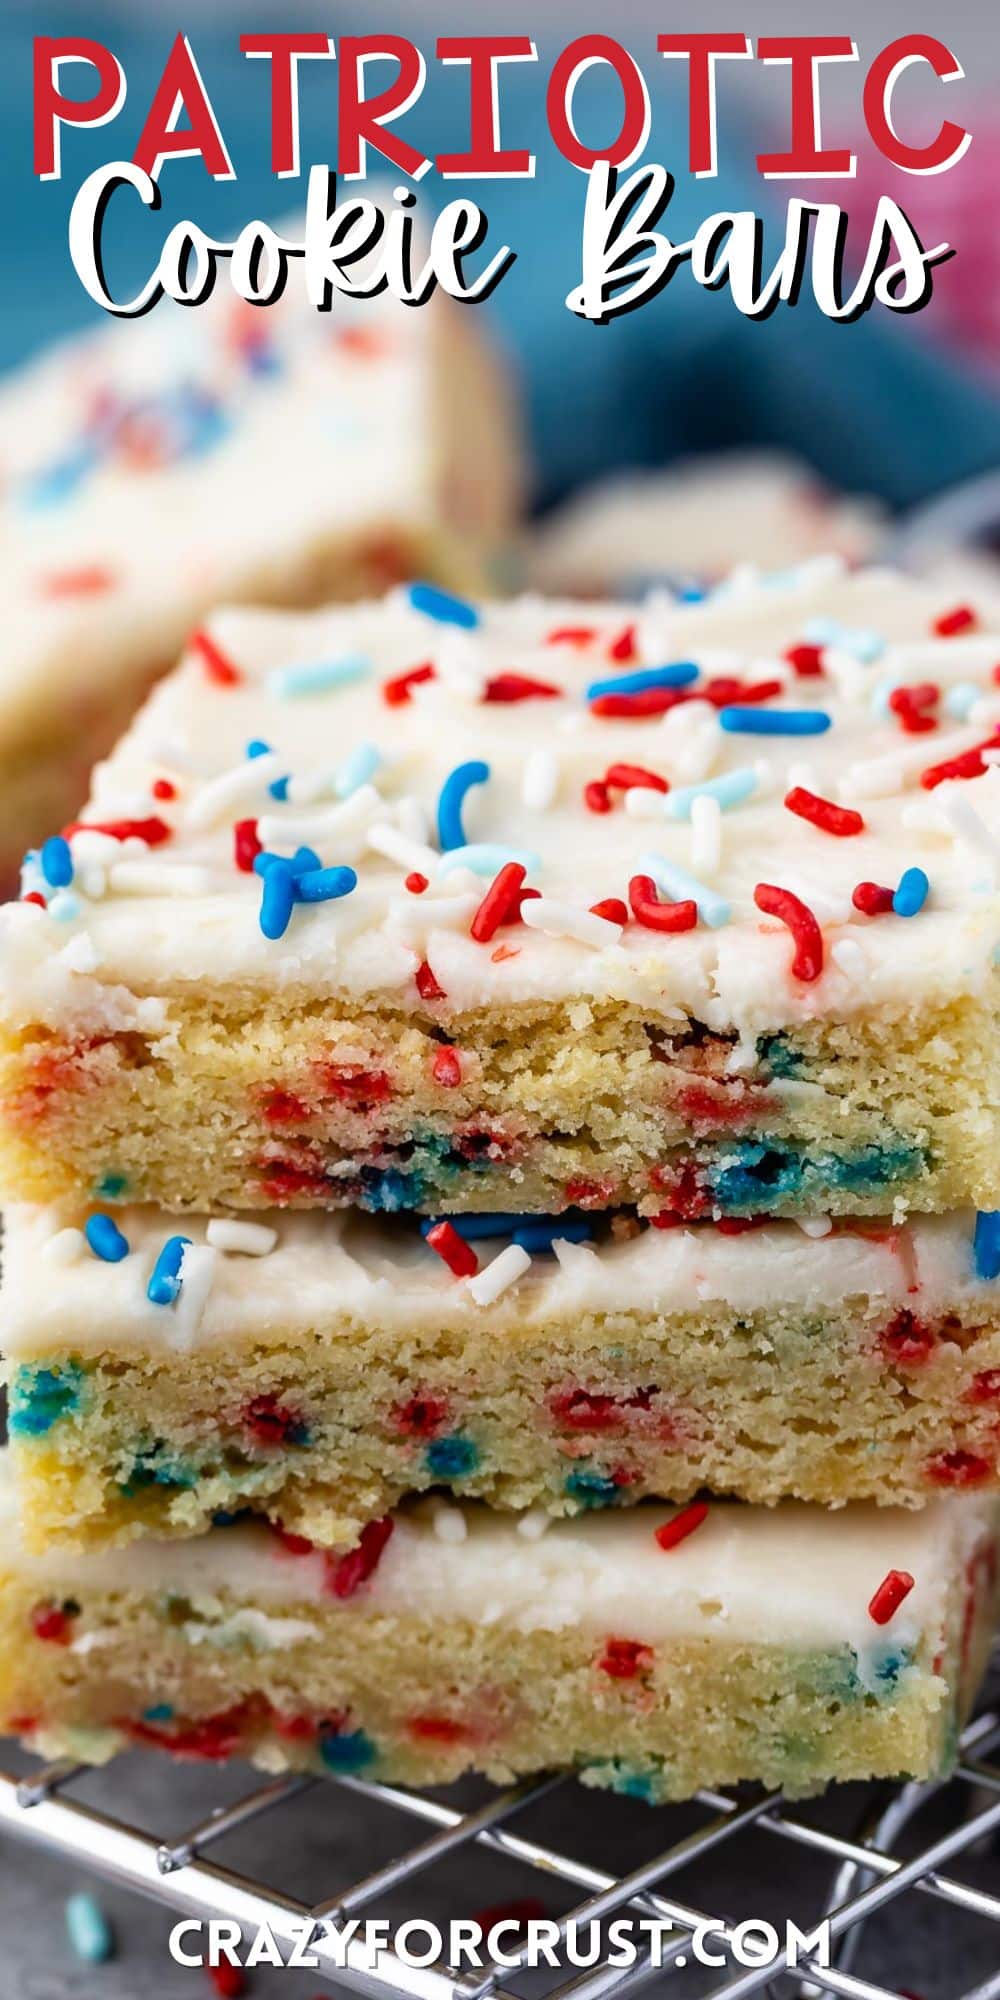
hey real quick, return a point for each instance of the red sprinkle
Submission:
(571, 635)
(889, 1596)
(218, 666)
(723, 690)
(624, 648)
(294, 1545)
(839, 820)
(613, 908)
(246, 845)
(397, 692)
(346, 1574)
(596, 797)
(961, 619)
(624, 1658)
(421, 1416)
(271, 1423)
(646, 701)
(447, 1068)
(807, 963)
(627, 777)
(52, 1623)
(984, 1387)
(807, 660)
(872, 899)
(906, 1340)
(958, 1468)
(968, 764)
(34, 896)
(91, 582)
(910, 704)
(227, 1979)
(154, 831)
(427, 985)
(519, 687)
(459, 1255)
(501, 903)
(682, 1525)
(654, 915)
(163, 789)
(416, 883)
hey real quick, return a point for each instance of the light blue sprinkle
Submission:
(356, 770)
(58, 482)
(164, 1286)
(33, 882)
(277, 898)
(728, 790)
(442, 606)
(680, 673)
(960, 698)
(105, 1239)
(865, 646)
(751, 721)
(880, 694)
(451, 799)
(64, 906)
(318, 676)
(325, 885)
(681, 887)
(486, 857)
(986, 1244)
(56, 862)
(912, 893)
(89, 1931)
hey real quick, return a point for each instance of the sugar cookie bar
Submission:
(417, 905)
(159, 468)
(319, 1369)
(654, 1651)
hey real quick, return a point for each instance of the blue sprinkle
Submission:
(161, 1711)
(750, 721)
(728, 790)
(105, 1239)
(960, 699)
(165, 1283)
(356, 770)
(318, 676)
(58, 482)
(89, 1931)
(112, 1186)
(692, 593)
(57, 862)
(258, 748)
(592, 1489)
(912, 893)
(472, 1228)
(442, 606)
(680, 674)
(304, 861)
(324, 885)
(681, 887)
(39, 1397)
(541, 1232)
(279, 790)
(986, 1244)
(487, 857)
(451, 1458)
(347, 1753)
(277, 898)
(451, 799)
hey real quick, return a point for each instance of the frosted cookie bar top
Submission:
(658, 1651)
(321, 1368)
(704, 907)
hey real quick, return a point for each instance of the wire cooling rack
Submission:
(728, 1841)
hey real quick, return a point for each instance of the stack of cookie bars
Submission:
(485, 1080)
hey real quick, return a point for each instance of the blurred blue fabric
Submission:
(872, 406)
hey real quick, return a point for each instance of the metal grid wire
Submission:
(862, 1871)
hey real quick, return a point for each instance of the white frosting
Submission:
(336, 1273)
(197, 457)
(793, 1577)
(698, 519)
(203, 928)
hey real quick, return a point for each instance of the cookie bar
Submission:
(695, 521)
(319, 1369)
(654, 1651)
(192, 458)
(530, 907)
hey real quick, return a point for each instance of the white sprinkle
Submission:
(250, 1239)
(985, 713)
(415, 916)
(450, 1525)
(967, 825)
(99, 850)
(881, 777)
(93, 883)
(197, 1275)
(65, 1247)
(848, 955)
(413, 819)
(706, 835)
(827, 905)
(692, 741)
(305, 788)
(498, 1277)
(540, 780)
(79, 954)
(645, 802)
(338, 826)
(816, 1226)
(220, 796)
(154, 878)
(534, 1525)
(566, 920)
(413, 855)
(849, 674)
